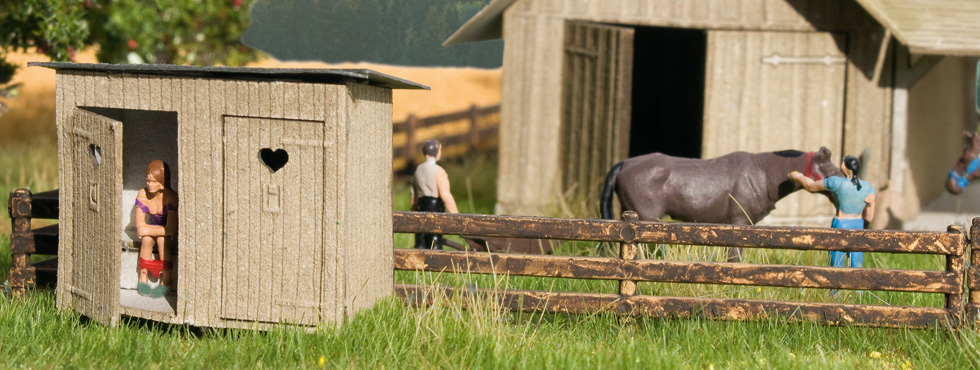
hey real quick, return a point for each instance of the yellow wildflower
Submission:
(875, 354)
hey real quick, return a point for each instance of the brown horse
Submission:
(967, 167)
(701, 190)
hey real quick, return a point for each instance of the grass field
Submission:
(35, 334)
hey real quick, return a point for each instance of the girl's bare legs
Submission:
(164, 256)
(146, 252)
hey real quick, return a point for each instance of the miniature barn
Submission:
(588, 83)
(301, 237)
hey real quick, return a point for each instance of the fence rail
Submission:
(628, 270)
(459, 132)
(26, 241)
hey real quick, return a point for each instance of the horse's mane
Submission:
(789, 153)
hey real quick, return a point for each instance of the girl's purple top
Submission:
(156, 220)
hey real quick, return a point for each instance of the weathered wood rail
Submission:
(25, 241)
(950, 282)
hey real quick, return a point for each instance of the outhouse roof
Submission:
(364, 76)
(941, 27)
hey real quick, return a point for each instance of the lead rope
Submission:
(961, 180)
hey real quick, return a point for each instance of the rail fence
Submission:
(628, 270)
(461, 132)
(960, 285)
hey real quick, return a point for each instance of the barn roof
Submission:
(941, 27)
(364, 76)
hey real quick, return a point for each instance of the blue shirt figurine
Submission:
(855, 201)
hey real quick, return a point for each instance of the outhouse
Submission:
(300, 235)
(587, 83)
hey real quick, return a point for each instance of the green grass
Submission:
(34, 334)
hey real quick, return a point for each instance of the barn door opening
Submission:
(668, 91)
(96, 152)
(595, 104)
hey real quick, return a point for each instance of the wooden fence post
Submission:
(957, 264)
(474, 130)
(973, 282)
(22, 274)
(627, 252)
(410, 149)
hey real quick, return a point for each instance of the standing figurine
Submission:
(156, 224)
(430, 191)
(855, 200)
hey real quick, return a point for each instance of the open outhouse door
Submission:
(96, 160)
(596, 101)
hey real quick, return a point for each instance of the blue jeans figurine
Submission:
(837, 258)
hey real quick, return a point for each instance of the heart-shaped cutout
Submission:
(274, 159)
(96, 153)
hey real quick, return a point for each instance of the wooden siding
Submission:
(768, 91)
(529, 176)
(595, 123)
(366, 243)
(201, 106)
(868, 105)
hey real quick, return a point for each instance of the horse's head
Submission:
(819, 165)
(967, 167)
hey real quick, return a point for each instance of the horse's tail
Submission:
(605, 200)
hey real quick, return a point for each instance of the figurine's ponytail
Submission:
(852, 163)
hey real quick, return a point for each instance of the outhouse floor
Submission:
(166, 304)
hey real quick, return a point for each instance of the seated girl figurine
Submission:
(156, 224)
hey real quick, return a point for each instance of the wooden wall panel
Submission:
(529, 175)
(867, 121)
(774, 91)
(66, 92)
(368, 198)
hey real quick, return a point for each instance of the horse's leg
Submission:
(735, 253)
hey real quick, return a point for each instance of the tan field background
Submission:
(30, 118)
(28, 150)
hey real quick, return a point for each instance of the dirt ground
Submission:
(31, 114)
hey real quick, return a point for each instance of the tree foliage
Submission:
(197, 32)
(381, 31)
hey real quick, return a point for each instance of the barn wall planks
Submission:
(529, 176)
(756, 103)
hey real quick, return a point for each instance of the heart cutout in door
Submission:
(274, 159)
